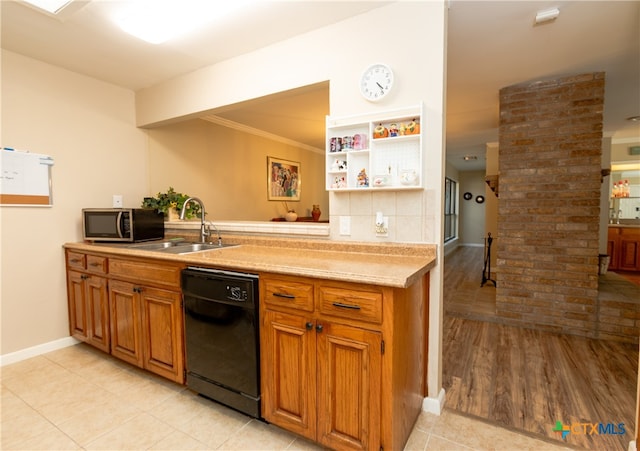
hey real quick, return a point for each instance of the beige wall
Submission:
(227, 169)
(472, 214)
(88, 127)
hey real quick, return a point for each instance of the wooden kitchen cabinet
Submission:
(349, 380)
(146, 328)
(147, 320)
(623, 246)
(343, 363)
(88, 299)
(129, 308)
(288, 372)
(126, 327)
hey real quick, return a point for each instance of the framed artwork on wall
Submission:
(283, 179)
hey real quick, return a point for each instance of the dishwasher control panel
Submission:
(236, 293)
(220, 286)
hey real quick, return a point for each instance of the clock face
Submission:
(376, 82)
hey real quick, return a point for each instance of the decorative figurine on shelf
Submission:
(380, 132)
(363, 178)
(339, 182)
(393, 130)
(339, 165)
(359, 141)
(335, 145)
(412, 128)
(316, 212)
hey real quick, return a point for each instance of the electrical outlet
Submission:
(382, 225)
(345, 225)
(117, 201)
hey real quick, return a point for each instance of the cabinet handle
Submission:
(309, 325)
(75, 260)
(84, 277)
(137, 289)
(283, 295)
(349, 306)
(95, 264)
(319, 328)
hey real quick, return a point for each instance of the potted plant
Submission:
(172, 201)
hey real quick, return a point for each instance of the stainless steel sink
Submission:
(186, 248)
(177, 246)
(155, 246)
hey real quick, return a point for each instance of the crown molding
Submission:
(257, 132)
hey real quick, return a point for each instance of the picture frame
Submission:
(283, 179)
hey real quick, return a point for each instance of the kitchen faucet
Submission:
(204, 231)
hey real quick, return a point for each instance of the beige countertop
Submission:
(388, 264)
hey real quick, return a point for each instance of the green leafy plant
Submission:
(171, 199)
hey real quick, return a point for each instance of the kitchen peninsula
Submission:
(344, 377)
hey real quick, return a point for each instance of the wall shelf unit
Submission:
(375, 152)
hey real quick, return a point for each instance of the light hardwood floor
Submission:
(525, 379)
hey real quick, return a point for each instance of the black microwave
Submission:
(122, 224)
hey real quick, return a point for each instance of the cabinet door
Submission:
(349, 383)
(288, 372)
(162, 333)
(76, 282)
(613, 254)
(629, 252)
(124, 301)
(98, 313)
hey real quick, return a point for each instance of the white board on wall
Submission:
(25, 179)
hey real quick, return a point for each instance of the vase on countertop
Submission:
(315, 213)
(173, 215)
(291, 216)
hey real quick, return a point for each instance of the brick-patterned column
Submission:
(549, 206)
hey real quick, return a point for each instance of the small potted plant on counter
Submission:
(171, 203)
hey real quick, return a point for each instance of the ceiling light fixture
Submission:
(50, 6)
(157, 21)
(469, 157)
(547, 15)
(634, 118)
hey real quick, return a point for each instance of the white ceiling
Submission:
(491, 45)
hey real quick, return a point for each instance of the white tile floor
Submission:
(79, 398)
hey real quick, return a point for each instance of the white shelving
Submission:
(359, 158)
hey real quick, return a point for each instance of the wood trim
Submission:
(23, 199)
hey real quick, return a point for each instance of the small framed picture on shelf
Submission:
(283, 179)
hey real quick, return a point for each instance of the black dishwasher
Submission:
(221, 337)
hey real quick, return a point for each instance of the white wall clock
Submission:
(376, 82)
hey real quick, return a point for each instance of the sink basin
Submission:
(177, 246)
(154, 246)
(186, 248)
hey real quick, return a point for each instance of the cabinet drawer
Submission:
(97, 264)
(76, 260)
(287, 293)
(350, 303)
(166, 275)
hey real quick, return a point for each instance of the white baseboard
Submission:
(37, 350)
(434, 405)
(632, 446)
